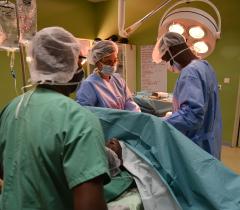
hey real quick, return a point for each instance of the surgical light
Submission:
(196, 32)
(194, 24)
(178, 28)
(189, 17)
(200, 47)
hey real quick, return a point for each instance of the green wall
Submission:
(89, 20)
(76, 16)
(225, 58)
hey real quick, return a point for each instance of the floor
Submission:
(231, 158)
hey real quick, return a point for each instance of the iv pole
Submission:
(21, 50)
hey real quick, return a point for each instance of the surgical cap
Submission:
(100, 50)
(168, 40)
(54, 55)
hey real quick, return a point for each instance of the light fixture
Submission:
(196, 32)
(200, 29)
(193, 23)
(178, 28)
(200, 47)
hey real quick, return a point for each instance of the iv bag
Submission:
(27, 14)
(2, 35)
(27, 18)
(8, 26)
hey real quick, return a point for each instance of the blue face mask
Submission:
(108, 70)
(177, 66)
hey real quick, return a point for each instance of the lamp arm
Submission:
(188, 1)
(21, 49)
(121, 18)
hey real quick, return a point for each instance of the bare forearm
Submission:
(93, 206)
(89, 196)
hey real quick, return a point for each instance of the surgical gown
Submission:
(196, 106)
(52, 146)
(95, 91)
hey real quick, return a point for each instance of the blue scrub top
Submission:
(95, 91)
(196, 111)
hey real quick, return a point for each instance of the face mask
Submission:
(175, 67)
(108, 70)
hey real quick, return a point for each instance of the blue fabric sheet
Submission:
(153, 106)
(197, 179)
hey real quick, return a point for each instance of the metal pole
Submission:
(21, 50)
(121, 18)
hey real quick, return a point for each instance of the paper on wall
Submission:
(153, 76)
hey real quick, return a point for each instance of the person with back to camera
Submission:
(104, 87)
(196, 111)
(51, 149)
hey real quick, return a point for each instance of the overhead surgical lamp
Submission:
(196, 32)
(197, 26)
(178, 28)
(201, 47)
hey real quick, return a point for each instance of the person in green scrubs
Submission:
(51, 149)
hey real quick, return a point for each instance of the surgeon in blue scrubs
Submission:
(104, 87)
(196, 111)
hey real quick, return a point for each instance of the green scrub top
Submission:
(53, 145)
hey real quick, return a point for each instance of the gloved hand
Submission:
(114, 145)
(114, 153)
(168, 114)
